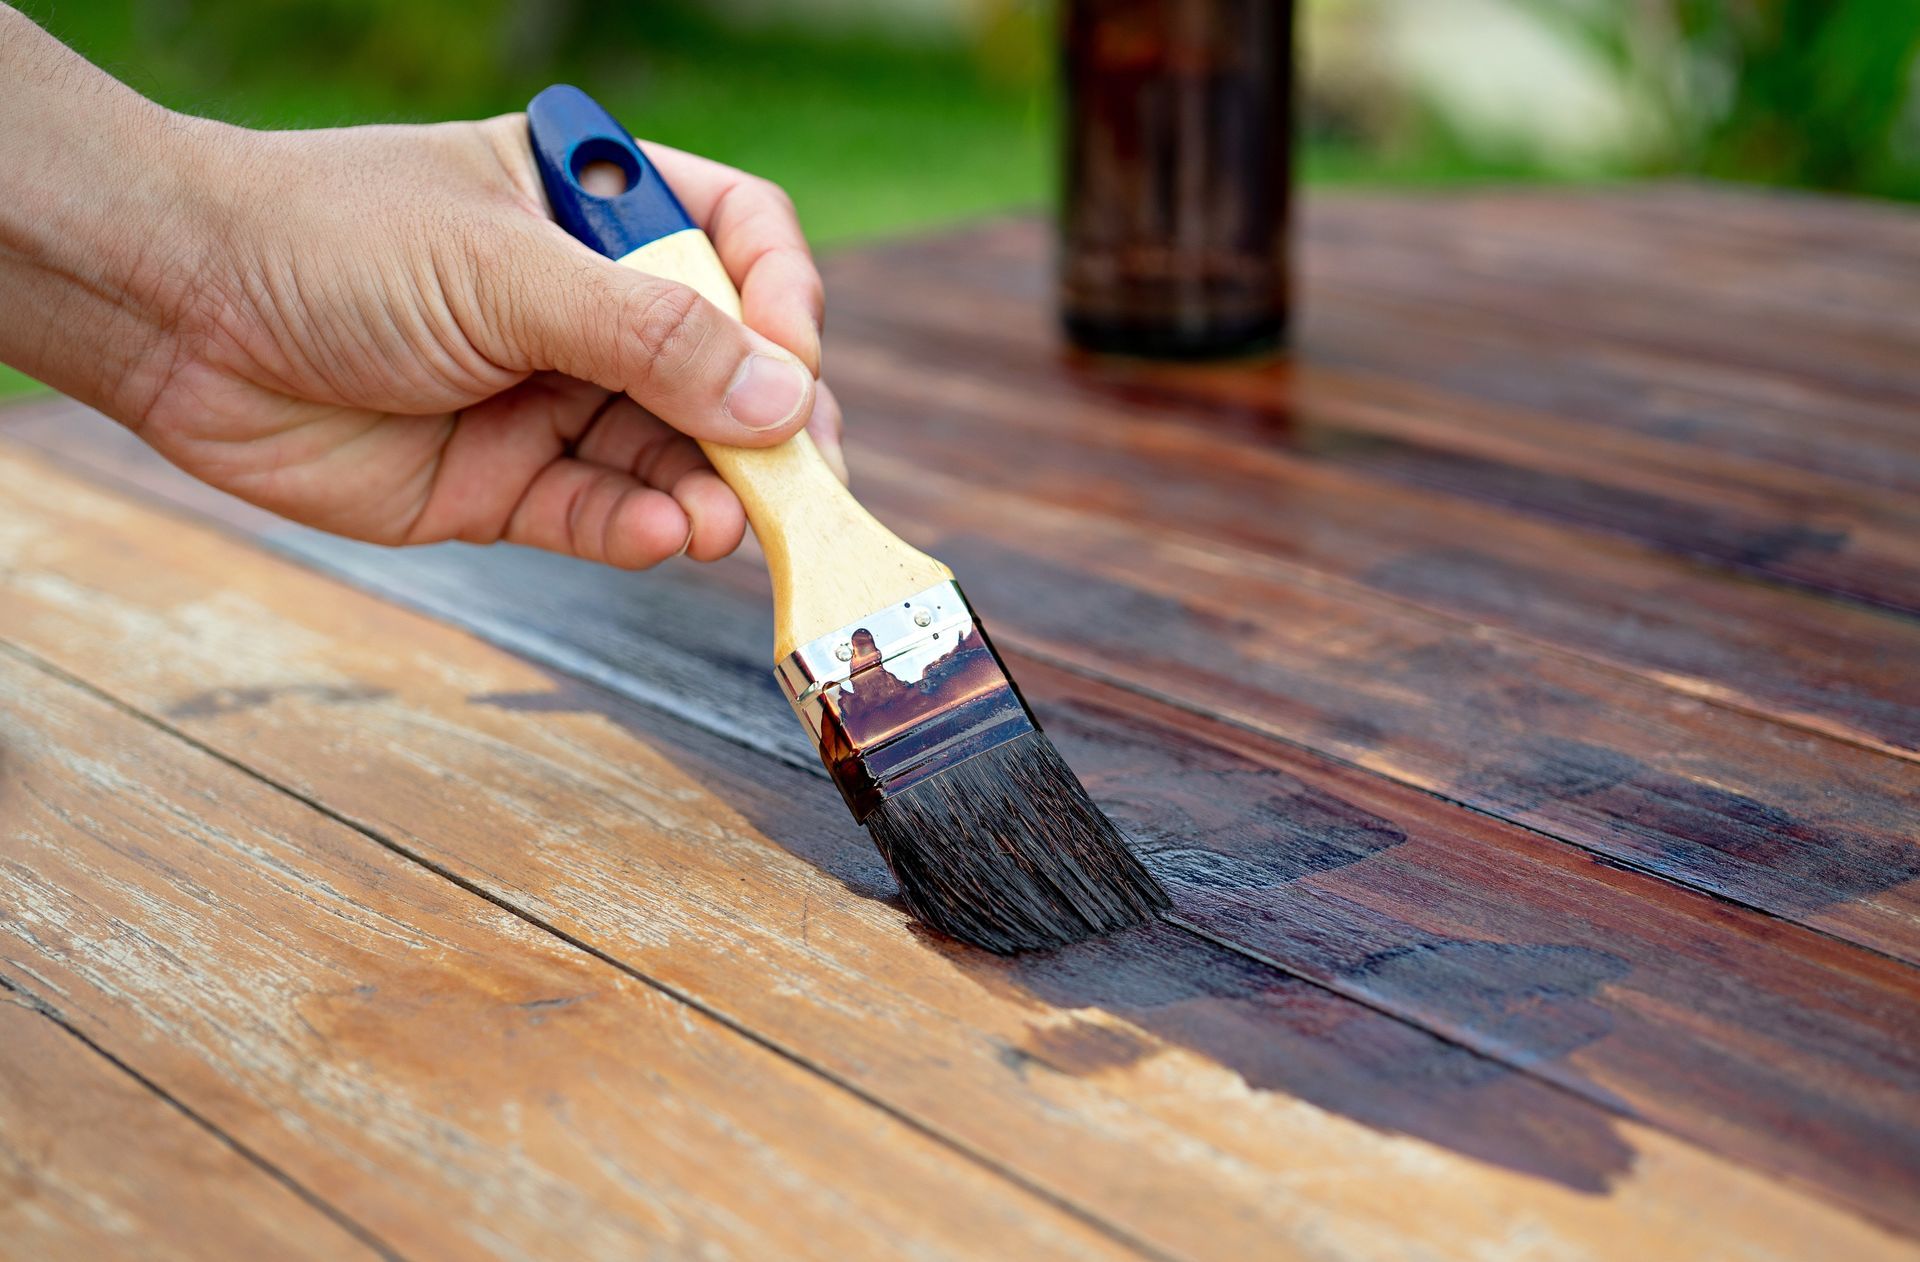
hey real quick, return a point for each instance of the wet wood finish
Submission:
(1679, 782)
(1513, 687)
(1204, 1103)
(1375, 891)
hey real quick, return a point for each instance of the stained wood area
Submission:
(1515, 687)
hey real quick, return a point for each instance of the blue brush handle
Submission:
(570, 131)
(830, 561)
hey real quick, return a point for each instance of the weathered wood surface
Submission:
(455, 1081)
(1204, 1104)
(1499, 684)
(1309, 460)
(1798, 1053)
(1243, 570)
(1521, 949)
(1690, 787)
(91, 1163)
(1671, 276)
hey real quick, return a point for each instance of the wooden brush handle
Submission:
(830, 560)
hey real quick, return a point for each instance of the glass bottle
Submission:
(1178, 154)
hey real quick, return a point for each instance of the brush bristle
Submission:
(1005, 850)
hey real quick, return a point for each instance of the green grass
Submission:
(920, 146)
(15, 385)
(870, 137)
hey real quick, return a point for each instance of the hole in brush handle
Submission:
(603, 179)
(603, 167)
(570, 134)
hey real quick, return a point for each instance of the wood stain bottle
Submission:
(1178, 148)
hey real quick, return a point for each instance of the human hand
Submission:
(379, 332)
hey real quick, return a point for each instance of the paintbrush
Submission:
(989, 833)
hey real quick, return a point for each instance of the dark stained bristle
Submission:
(1005, 850)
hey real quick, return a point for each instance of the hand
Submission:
(378, 331)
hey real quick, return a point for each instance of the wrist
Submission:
(104, 231)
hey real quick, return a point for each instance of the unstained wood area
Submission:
(1517, 687)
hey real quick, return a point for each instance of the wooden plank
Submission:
(691, 642)
(1699, 794)
(456, 1081)
(93, 1164)
(1864, 233)
(1820, 319)
(1656, 392)
(1644, 267)
(1179, 1089)
(1693, 792)
(1235, 824)
(1802, 659)
(1621, 268)
(1689, 501)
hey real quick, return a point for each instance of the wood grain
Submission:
(1688, 787)
(1207, 1104)
(93, 1164)
(1535, 521)
(1245, 830)
(456, 1082)
(1104, 1074)
(1696, 790)
(923, 328)
(1234, 822)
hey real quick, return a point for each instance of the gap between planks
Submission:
(586, 670)
(583, 670)
(506, 905)
(41, 1008)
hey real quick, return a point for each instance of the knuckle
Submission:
(663, 326)
(774, 194)
(488, 251)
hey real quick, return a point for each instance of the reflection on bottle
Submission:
(1178, 145)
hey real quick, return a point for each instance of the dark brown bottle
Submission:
(1178, 147)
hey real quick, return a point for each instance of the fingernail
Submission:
(767, 392)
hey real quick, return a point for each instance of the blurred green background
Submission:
(884, 116)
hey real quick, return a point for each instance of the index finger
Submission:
(757, 235)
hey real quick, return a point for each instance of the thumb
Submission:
(564, 308)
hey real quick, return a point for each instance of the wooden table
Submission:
(1519, 689)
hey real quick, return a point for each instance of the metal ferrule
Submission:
(903, 694)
